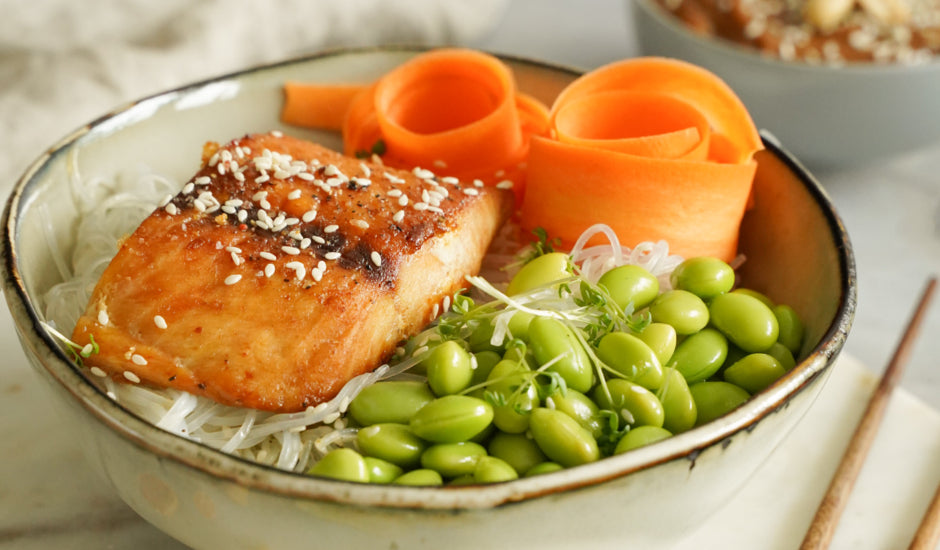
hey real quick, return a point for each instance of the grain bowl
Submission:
(797, 253)
(831, 114)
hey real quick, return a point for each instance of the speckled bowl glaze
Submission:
(798, 253)
(829, 117)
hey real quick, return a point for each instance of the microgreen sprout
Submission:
(76, 352)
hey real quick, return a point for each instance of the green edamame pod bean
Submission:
(421, 477)
(381, 471)
(462, 480)
(452, 418)
(395, 443)
(632, 358)
(630, 286)
(780, 352)
(562, 439)
(550, 338)
(485, 361)
(541, 271)
(490, 469)
(448, 368)
(342, 464)
(661, 338)
(389, 401)
(755, 294)
(791, 328)
(544, 468)
(633, 403)
(580, 407)
(754, 372)
(452, 459)
(640, 437)
(481, 336)
(700, 355)
(686, 312)
(704, 276)
(715, 398)
(511, 383)
(519, 325)
(745, 320)
(517, 450)
(678, 406)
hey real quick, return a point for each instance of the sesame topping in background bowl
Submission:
(832, 32)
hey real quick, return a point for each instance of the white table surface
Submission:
(49, 497)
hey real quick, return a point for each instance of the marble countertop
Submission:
(50, 498)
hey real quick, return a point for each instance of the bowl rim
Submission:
(733, 49)
(216, 464)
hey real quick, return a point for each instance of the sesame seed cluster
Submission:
(822, 32)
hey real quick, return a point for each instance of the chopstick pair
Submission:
(823, 526)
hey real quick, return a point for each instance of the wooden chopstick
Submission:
(928, 534)
(823, 526)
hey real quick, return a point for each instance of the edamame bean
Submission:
(420, 478)
(634, 404)
(462, 480)
(704, 276)
(745, 320)
(715, 398)
(389, 401)
(678, 406)
(562, 439)
(791, 328)
(511, 382)
(780, 352)
(661, 338)
(395, 443)
(381, 471)
(640, 437)
(549, 339)
(343, 464)
(448, 368)
(481, 336)
(519, 325)
(541, 271)
(486, 360)
(755, 372)
(580, 407)
(630, 286)
(632, 358)
(700, 355)
(686, 312)
(755, 294)
(451, 418)
(517, 450)
(544, 468)
(452, 459)
(490, 469)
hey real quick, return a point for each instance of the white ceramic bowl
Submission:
(798, 253)
(829, 117)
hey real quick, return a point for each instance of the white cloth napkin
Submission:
(63, 62)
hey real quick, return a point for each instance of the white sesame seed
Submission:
(267, 255)
(365, 169)
(236, 259)
(435, 209)
(159, 321)
(171, 209)
(98, 372)
(335, 182)
(269, 270)
(309, 216)
(471, 191)
(188, 188)
(242, 215)
(446, 303)
(403, 200)
(229, 209)
(291, 250)
(435, 311)
(202, 180)
(331, 170)
(398, 216)
(321, 265)
(306, 176)
(281, 174)
(394, 193)
(450, 179)
(317, 274)
(239, 176)
(318, 239)
(233, 249)
(505, 184)
(300, 270)
(263, 203)
(332, 228)
(103, 317)
(262, 178)
(423, 173)
(305, 243)
(478, 183)
(361, 224)
(225, 155)
(259, 195)
(425, 196)
(376, 258)
(214, 159)
(332, 255)
(277, 133)
(221, 168)
(87, 350)
(131, 377)
(393, 178)
(199, 205)
(419, 206)
(232, 279)
(138, 359)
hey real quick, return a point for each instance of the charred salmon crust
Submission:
(282, 270)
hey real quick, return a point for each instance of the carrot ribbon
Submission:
(655, 148)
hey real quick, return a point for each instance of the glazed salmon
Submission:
(282, 270)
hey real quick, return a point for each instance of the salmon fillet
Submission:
(281, 271)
